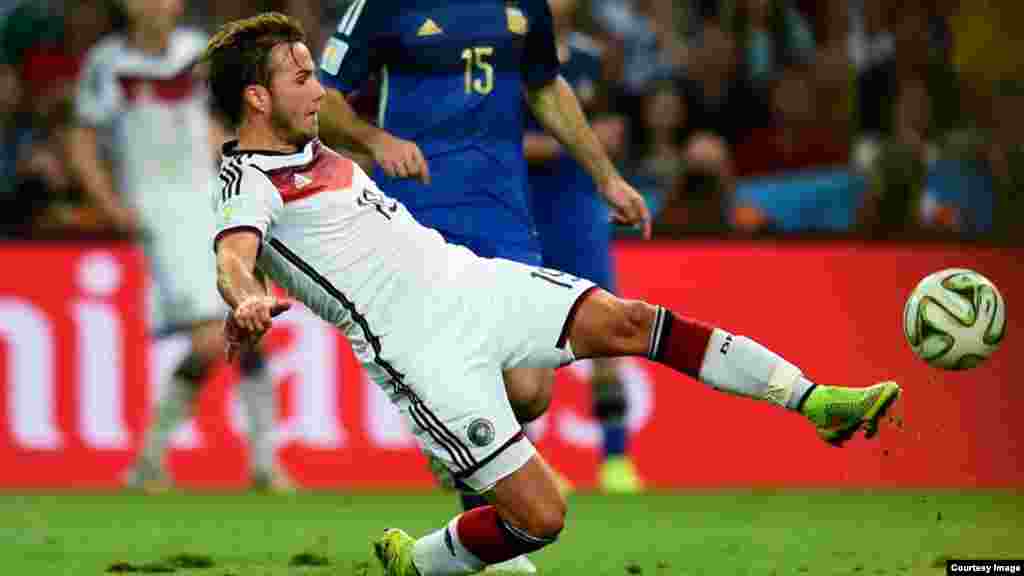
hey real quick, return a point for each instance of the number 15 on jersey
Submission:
(479, 72)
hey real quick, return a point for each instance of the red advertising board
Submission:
(78, 377)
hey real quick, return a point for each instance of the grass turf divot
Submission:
(308, 559)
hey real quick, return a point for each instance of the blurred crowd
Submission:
(743, 116)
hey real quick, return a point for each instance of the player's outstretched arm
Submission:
(340, 126)
(252, 306)
(558, 110)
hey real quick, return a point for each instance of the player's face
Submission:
(161, 15)
(295, 94)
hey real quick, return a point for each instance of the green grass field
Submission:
(705, 533)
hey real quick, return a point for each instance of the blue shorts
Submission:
(488, 248)
(575, 234)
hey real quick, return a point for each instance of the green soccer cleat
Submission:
(618, 475)
(839, 412)
(394, 550)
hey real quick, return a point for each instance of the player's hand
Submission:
(628, 206)
(400, 158)
(249, 321)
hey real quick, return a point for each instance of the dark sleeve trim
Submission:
(564, 336)
(239, 228)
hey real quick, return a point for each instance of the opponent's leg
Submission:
(528, 513)
(608, 326)
(617, 473)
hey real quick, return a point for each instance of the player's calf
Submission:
(607, 326)
(531, 506)
(528, 513)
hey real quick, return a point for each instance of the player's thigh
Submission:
(529, 308)
(530, 500)
(457, 409)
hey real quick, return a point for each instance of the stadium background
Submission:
(809, 161)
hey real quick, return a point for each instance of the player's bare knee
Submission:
(631, 326)
(545, 520)
(551, 524)
(639, 315)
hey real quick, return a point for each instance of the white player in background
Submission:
(140, 106)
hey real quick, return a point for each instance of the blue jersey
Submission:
(571, 218)
(451, 78)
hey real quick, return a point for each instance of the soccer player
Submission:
(572, 222)
(434, 324)
(140, 106)
(453, 77)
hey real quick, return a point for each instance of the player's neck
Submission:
(149, 41)
(252, 136)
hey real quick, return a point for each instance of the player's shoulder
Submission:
(237, 163)
(188, 43)
(100, 68)
(107, 51)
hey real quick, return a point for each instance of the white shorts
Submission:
(450, 389)
(178, 246)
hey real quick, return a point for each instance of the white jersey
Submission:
(332, 239)
(153, 113)
(433, 324)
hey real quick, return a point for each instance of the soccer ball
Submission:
(954, 319)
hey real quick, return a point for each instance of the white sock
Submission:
(170, 411)
(257, 392)
(739, 365)
(441, 553)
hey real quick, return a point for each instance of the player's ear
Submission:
(258, 97)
